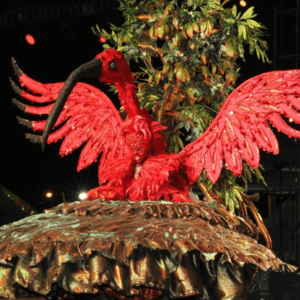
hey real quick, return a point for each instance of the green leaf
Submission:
(175, 143)
(237, 194)
(252, 24)
(248, 173)
(166, 29)
(258, 51)
(166, 68)
(248, 13)
(189, 92)
(170, 73)
(181, 125)
(151, 32)
(195, 27)
(175, 23)
(157, 77)
(168, 8)
(227, 198)
(96, 32)
(180, 143)
(185, 76)
(226, 1)
(154, 97)
(209, 185)
(190, 31)
(204, 11)
(98, 28)
(205, 71)
(229, 20)
(231, 205)
(259, 177)
(187, 126)
(175, 39)
(160, 31)
(242, 31)
(234, 10)
(104, 32)
(182, 74)
(150, 105)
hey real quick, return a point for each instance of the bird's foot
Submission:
(103, 193)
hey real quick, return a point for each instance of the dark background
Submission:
(61, 46)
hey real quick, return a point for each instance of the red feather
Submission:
(133, 163)
(243, 123)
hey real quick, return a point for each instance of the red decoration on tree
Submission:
(133, 163)
(102, 39)
(30, 39)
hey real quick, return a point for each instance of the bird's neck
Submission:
(128, 98)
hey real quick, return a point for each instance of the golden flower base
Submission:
(130, 250)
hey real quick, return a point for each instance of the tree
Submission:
(189, 53)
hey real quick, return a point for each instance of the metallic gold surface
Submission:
(130, 249)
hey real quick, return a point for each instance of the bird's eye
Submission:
(113, 65)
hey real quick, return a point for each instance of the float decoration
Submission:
(133, 163)
(142, 236)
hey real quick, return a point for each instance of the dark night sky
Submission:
(25, 169)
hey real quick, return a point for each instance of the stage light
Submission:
(49, 195)
(30, 39)
(243, 3)
(82, 196)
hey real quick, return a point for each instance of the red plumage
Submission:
(134, 164)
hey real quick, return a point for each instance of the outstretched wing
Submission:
(242, 125)
(88, 116)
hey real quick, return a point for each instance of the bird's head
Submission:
(115, 68)
(109, 66)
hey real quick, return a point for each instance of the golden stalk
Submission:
(259, 221)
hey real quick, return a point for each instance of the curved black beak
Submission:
(89, 69)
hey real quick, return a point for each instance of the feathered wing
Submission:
(241, 127)
(88, 117)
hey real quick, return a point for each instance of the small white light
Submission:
(82, 196)
(49, 194)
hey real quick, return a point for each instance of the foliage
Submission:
(189, 52)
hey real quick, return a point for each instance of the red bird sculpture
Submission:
(134, 164)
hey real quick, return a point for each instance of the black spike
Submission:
(25, 122)
(34, 138)
(89, 69)
(19, 104)
(16, 68)
(17, 89)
